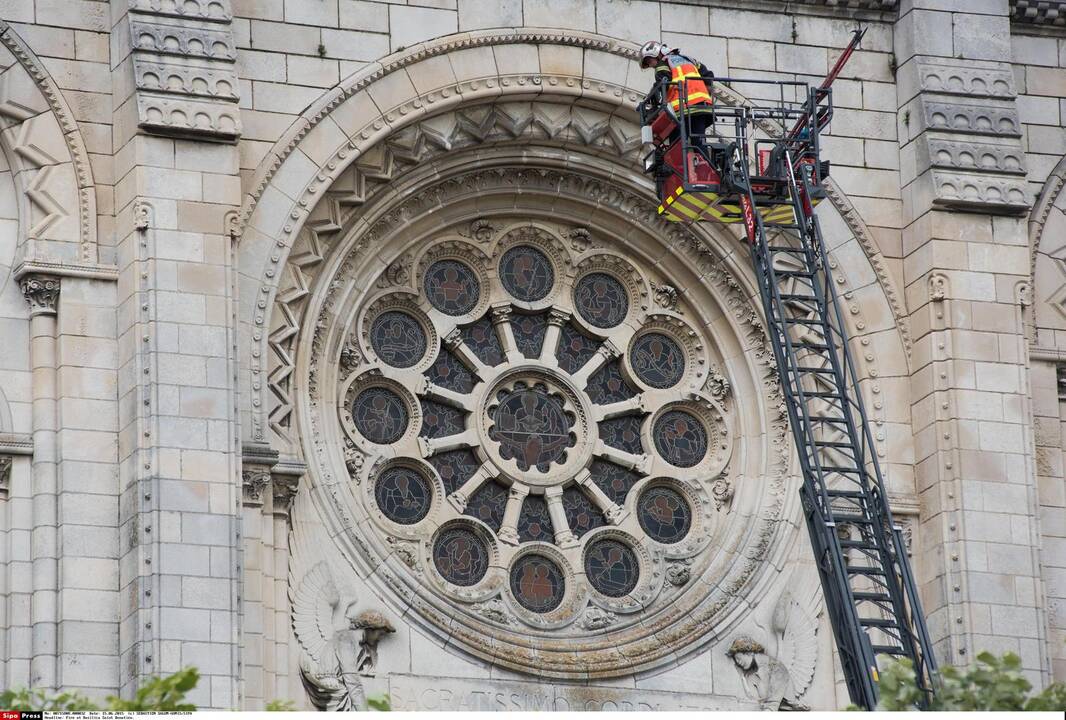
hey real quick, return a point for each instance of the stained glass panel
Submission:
(664, 515)
(450, 373)
(581, 514)
(612, 567)
(614, 480)
(380, 415)
(455, 467)
(451, 287)
(680, 438)
(532, 427)
(488, 504)
(537, 583)
(398, 339)
(439, 420)
(623, 433)
(574, 349)
(534, 522)
(526, 273)
(403, 495)
(461, 557)
(607, 385)
(529, 331)
(601, 300)
(481, 338)
(657, 360)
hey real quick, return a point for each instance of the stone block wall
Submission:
(153, 122)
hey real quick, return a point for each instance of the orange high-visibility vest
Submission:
(681, 68)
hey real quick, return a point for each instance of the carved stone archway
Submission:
(516, 113)
(50, 165)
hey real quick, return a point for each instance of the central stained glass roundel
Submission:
(532, 426)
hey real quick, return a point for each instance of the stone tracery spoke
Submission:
(606, 352)
(634, 404)
(612, 511)
(454, 342)
(564, 536)
(621, 457)
(431, 446)
(462, 495)
(509, 529)
(460, 400)
(556, 319)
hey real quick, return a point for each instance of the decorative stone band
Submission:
(42, 293)
(1039, 12)
(184, 66)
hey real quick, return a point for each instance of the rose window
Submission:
(535, 423)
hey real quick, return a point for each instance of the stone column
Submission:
(42, 293)
(285, 486)
(966, 267)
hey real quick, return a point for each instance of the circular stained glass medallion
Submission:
(403, 494)
(664, 515)
(398, 339)
(380, 415)
(601, 300)
(451, 287)
(612, 568)
(680, 438)
(657, 360)
(460, 556)
(537, 583)
(526, 273)
(532, 426)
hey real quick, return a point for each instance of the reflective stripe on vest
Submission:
(683, 69)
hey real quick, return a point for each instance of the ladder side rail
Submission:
(839, 358)
(851, 638)
(900, 585)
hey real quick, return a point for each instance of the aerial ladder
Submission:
(742, 171)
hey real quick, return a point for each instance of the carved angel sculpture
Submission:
(325, 629)
(778, 680)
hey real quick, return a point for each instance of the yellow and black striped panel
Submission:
(689, 207)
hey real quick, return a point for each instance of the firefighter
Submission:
(672, 66)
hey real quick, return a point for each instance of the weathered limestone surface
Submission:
(181, 182)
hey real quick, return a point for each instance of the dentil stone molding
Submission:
(42, 293)
(1049, 13)
(184, 67)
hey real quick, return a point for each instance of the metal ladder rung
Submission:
(888, 650)
(878, 622)
(871, 597)
(852, 570)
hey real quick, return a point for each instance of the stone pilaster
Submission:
(966, 267)
(179, 450)
(268, 491)
(42, 293)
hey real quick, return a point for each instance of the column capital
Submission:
(41, 292)
(5, 475)
(284, 489)
(253, 482)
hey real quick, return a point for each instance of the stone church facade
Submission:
(283, 281)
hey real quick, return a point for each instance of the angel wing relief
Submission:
(338, 645)
(777, 678)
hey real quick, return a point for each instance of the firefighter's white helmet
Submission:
(650, 52)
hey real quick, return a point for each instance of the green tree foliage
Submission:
(993, 683)
(157, 693)
(281, 706)
(382, 703)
